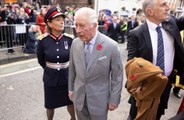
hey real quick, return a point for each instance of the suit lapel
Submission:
(147, 39)
(95, 52)
(170, 28)
(81, 53)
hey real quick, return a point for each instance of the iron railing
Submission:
(13, 36)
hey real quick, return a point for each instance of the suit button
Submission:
(57, 56)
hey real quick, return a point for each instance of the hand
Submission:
(112, 107)
(70, 95)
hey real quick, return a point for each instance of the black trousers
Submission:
(176, 89)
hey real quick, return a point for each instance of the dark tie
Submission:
(87, 53)
(160, 50)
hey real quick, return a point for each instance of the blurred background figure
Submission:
(105, 25)
(142, 19)
(32, 39)
(132, 23)
(10, 32)
(2, 16)
(40, 19)
(23, 17)
(123, 24)
(113, 30)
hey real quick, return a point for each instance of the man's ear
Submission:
(95, 25)
(149, 11)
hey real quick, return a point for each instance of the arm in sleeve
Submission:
(72, 74)
(40, 54)
(132, 46)
(116, 76)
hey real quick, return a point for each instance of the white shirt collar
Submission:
(152, 25)
(93, 40)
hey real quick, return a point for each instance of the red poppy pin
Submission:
(132, 77)
(99, 47)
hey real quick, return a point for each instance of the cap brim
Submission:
(59, 14)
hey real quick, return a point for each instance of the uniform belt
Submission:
(57, 65)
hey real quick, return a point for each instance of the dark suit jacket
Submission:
(139, 45)
(114, 32)
(140, 41)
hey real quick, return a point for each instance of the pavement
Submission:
(18, 55)
(21, 94)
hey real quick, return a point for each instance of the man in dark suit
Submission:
(132, 23)
(143, 43)
(114, 30)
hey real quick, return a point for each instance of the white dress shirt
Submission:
(169, 50)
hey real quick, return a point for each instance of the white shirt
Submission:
(169, 50)
(114, 24)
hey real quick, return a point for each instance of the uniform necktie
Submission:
(160, 50)
(87, 53)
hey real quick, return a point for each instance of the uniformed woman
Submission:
(53, 56)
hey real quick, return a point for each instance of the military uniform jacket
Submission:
(54, 50)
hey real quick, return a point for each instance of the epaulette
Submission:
(40, 37)
(69, 35)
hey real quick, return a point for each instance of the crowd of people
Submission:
(33, 13)
(114, 25)
(86, 73)
(26, 13)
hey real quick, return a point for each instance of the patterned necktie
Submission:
(87, 53)
(160, 50)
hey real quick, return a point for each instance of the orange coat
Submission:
(145, 83)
